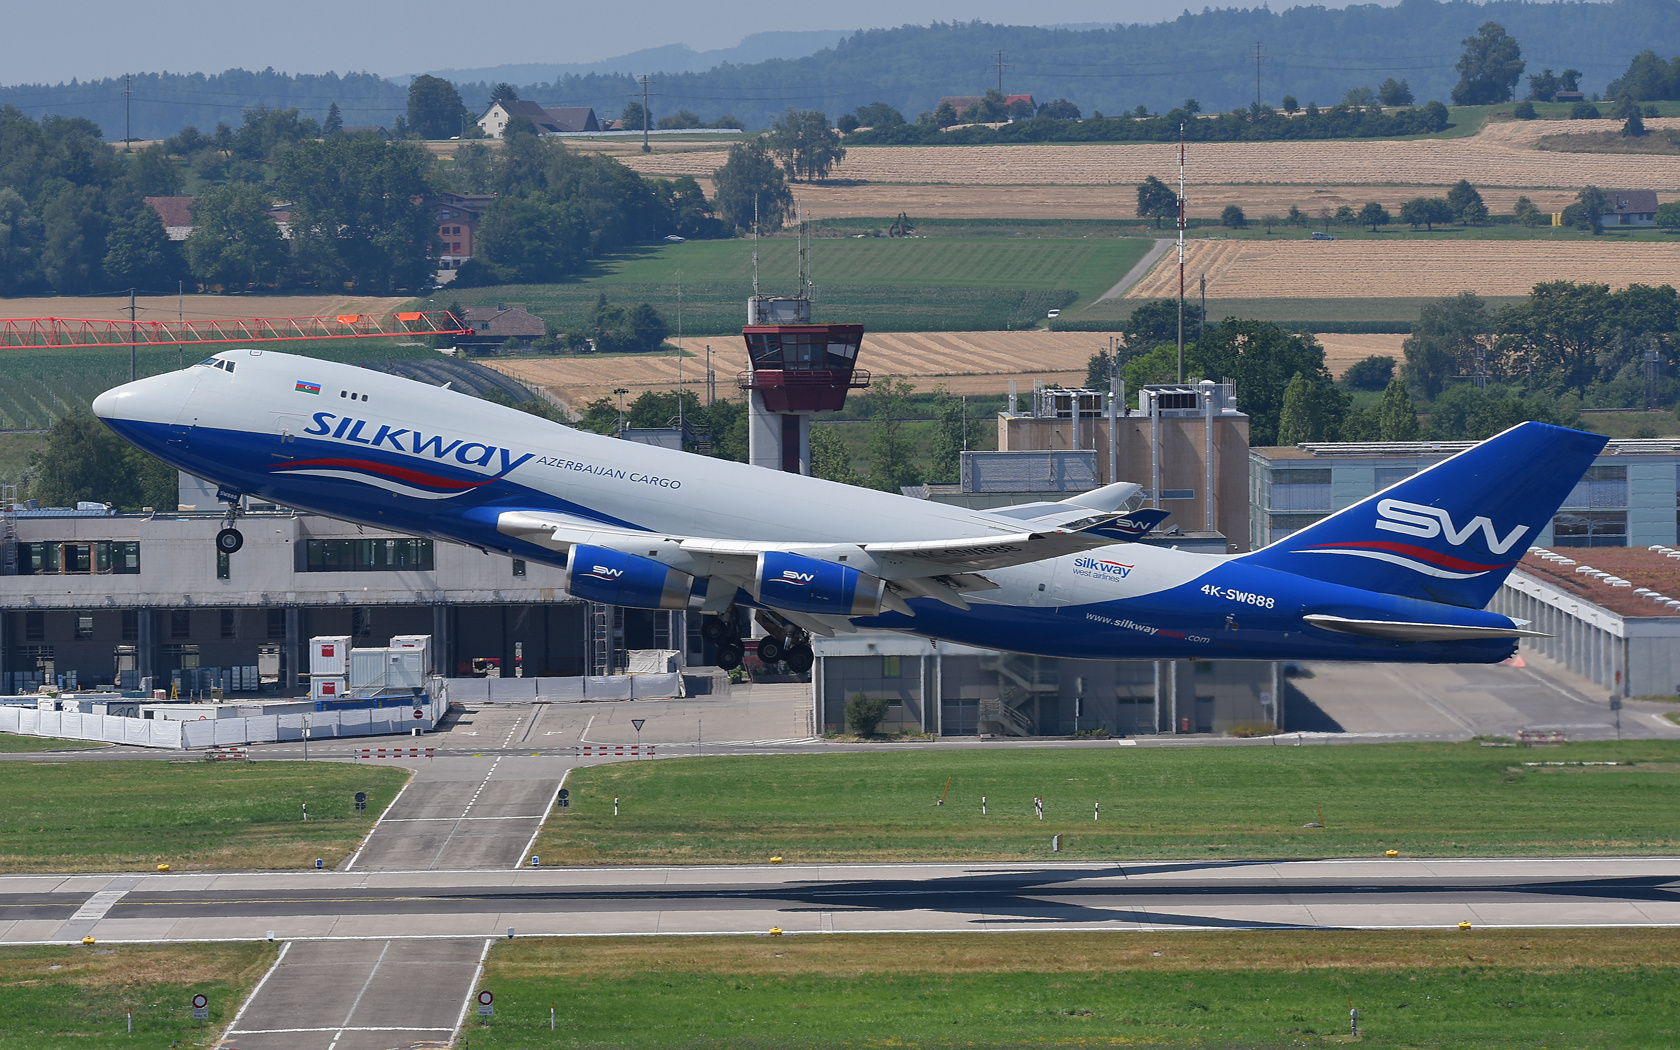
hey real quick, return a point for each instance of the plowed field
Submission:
(963, 362)
(1360, 269)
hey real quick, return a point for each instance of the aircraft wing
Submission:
(939, 569)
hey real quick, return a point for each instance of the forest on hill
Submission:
(1313, 53)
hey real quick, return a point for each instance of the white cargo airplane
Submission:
(1401, 576)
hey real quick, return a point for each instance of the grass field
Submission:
(10, 743)
(125, 816)
(1421, 799)
(918, 284)
(1249, 989)
(62, 997)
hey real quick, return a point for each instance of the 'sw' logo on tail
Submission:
(1414, 519)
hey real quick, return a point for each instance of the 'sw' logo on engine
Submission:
(1414, 519)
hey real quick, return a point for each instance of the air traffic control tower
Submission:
(795, 369)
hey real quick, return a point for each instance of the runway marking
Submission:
(86, 917)
(514, 729)
(542, 820)
(466, 1000)
(424, 820)
(358, 1000)
(351, 863)
(288, 1031)
(471, 802)
(278, 959)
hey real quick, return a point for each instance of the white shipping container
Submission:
(329, 655)
(327, 687)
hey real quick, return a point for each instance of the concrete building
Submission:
(956, 690)
(1612, 615)
(1628, 498)
(1189, 442)
(89, 592)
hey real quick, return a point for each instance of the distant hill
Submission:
(1313, 53)
(673, 58)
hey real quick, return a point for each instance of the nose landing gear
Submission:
(229, 539)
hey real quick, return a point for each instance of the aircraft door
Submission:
(285, 429)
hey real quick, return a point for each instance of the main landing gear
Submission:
(229, 539)
(783, 642)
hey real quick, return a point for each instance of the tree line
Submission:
(284, 202)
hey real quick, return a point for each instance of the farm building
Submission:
(562, 120)
(493, 326)
(1632, 208)
(176, 213)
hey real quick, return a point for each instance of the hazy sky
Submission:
(50, 42)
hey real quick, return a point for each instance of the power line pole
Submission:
(133, 339)
(649, 149)
(1258, 55)
(1181, 253)
(1001, 66)
(128, 94)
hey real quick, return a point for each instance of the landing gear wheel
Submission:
(229, 540)
(729, 657)
(769, 650)
(799, 659)
(713, 629)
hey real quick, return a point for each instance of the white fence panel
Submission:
(260, 729)
(468, 690)
(355, 723)
(655, 686)
(28, 721)
(93, 728)
(69, 725)
(560, 690)
(49, 723)
(198, 733)
(162, 732)
(9, 719)
(512, 690)
(230, 731)
(608, 687)
(134, 730)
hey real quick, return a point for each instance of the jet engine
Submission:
(801, 584)
(599, 574)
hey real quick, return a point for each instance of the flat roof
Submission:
(1638, 568)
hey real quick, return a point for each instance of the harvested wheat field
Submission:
(1341, 350)
(962, 362)
(1420, 268)
(198, 307)
(1501, 155)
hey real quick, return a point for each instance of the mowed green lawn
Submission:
(11, 743)
(135, 814)
(1250, 989)
(888, 284)
(62, 997)
(1213, 802)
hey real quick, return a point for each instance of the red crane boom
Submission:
(24, 332)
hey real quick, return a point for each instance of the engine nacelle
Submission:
(600, 574)
(801, 584)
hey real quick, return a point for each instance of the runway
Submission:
(1156, 896)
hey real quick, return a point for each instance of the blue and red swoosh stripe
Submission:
(1407, 550)
(391, 471)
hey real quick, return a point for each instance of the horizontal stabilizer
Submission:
(1397, 631)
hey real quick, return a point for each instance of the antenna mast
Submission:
(1181, 252)
(679, 361)
(755, 246)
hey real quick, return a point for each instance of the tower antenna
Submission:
(1181, 252)
(755, 246)
(648, 149)
(679, 360)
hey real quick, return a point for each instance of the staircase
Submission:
(1021, 681)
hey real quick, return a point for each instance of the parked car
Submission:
(1053, 314)
(1320, 235)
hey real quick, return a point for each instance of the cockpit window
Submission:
(216, 362)
(209, 361)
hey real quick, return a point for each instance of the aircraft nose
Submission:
(156, 399)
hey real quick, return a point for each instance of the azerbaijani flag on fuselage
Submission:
(308, 388)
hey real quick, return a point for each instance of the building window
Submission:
(34, 627)
(1600, 487)
(361, 622)
(276, 623)
(180, 624)
(230, 623)
(84, 625)
(519, 566)
(1280, 525)
(367, 555)
(1600, 528)
(224, 565)
(131, 625)
(1387, 476)
(54, 556)
(1300, 489)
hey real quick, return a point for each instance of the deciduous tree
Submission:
(1447, 331)
(435, 110)
(234, 239)
(805, 144)
(1489, 68)
(750, 183)
(1156, 200)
